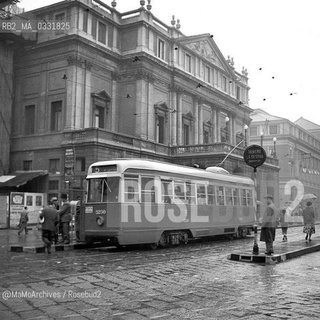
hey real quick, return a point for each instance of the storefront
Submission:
(19, 190)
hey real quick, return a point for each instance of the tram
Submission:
(136, 201)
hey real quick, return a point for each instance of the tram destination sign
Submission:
(254, 156)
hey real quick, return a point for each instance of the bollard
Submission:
(255, 249)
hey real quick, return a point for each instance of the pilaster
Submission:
(196, 111)
(179, 118)
(218, 127)
(173, 115)
(200, 124)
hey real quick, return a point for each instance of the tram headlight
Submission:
(100, 221)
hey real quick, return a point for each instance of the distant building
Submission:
(308, 125)
(115, 85)
(297, 146)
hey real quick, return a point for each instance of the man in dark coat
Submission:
(269, 224)
(55, 203)
(50, 216)
(65, 217)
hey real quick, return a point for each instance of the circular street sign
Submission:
(254, 156)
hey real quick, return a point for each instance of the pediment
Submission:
(206, 47)
(189, 116)
(103, 95)
(161, 105)
(203, 48)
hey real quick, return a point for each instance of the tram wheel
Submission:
(163, 240)
(185, 238)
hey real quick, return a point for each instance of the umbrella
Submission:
(309, 196)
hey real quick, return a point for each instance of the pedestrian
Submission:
(284, 224)
(23, 222)
(268, 225)
(55, 203)
(65, 217)
(49, 215)
(308, 220)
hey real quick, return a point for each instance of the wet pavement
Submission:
(10, 237)
(196, 281)
(283, 251)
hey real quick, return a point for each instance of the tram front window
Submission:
(104, 190)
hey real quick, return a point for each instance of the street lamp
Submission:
(261, 139)
(245, 135)
(274, 147)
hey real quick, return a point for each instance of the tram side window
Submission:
(148, 190)
(244, 200)
(220, 196)
(229, 197)
(211, 194)
(201, 194)
(236, 197)
(131, 189)
(191, 192)
(249, 197)
(110, 189)
(166, 191)
(179, 191)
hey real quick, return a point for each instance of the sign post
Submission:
(69, 162)
(255, 156)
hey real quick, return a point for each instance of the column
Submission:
(179, 120)
(141, 109)
(86, 111)
(173, 114)
(213, 121)
(115, 38)
(218, 134)
(114, 120)
(150, 114)
(70, 102)
(196, 122)
(200, 124)
(87, 121)
(43, 108)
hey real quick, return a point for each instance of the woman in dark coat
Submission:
(308, 220)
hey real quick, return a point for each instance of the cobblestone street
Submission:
(187, 282)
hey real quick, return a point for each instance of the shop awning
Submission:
(20, 178)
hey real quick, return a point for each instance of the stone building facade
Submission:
(298, 152)
(115, 85)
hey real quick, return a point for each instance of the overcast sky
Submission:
(280, 36)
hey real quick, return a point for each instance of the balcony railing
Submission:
(108, 137)
(102, 136)
(217, 148)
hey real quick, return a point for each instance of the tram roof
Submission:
(167, 169)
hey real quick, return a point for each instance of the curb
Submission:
(276, 258)
(62, 247)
